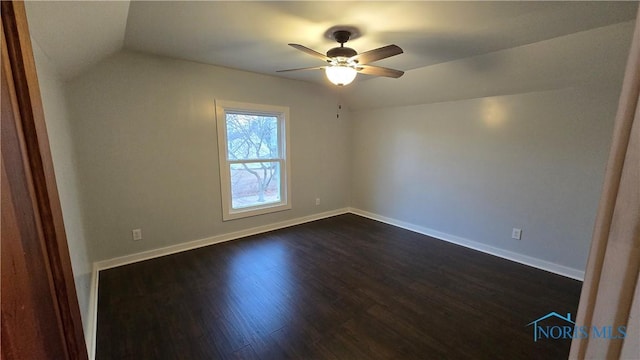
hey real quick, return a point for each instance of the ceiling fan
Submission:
(345, 63)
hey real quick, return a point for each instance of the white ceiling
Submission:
(253, 36)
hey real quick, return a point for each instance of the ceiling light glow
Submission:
(340, 74)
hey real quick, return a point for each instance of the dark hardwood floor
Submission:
(339, 288)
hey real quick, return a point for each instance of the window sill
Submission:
(254, 211)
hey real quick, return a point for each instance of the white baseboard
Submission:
(488, 249)
(150, 254)
(146, 255)
(92, 323)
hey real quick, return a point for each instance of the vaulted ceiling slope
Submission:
(77, 34)
(253, 36)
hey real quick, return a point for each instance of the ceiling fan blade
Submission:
(306, 68)
(379, 71)
(377, 54)
(311, 52)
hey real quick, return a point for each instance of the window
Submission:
(254, 167)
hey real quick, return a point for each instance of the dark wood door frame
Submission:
(37, 279)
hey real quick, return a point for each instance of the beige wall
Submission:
(474, 165)
(147, 149)
(470, 148)
(66, 171)
(475, 169)
(531, 157)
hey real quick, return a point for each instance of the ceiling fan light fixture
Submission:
(342, 63)
(340, 74)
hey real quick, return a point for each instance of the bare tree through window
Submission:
(253, 153)
(252, 142)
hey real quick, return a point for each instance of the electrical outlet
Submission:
(317, 201)
(136, 234)
(516, 234)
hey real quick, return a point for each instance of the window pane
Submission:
(255, 184)
(251, 136)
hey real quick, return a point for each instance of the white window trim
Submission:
(282, 113)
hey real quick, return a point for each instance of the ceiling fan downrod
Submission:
(341, 36)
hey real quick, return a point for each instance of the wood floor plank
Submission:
(345, 287)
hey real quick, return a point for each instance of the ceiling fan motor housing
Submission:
(341, 36)
(341, 52)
